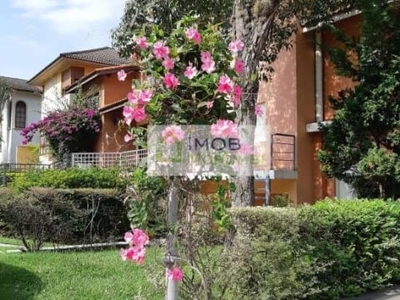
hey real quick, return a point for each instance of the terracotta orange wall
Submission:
(114, 89)
(285, 186)
(305, 81)
(278, 98)
(324, 187)
(111, 138)
(332, 82)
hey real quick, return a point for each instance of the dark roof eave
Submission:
(73, 87)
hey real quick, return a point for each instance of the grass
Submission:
(79, 275)
(5, 240)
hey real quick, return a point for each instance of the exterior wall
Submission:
(11, 135)
(114, 89)
(27, 154)
(278, 99)
(53, 97)
(333, 82)
(305, 81)
(111, 137)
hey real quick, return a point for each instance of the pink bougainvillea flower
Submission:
(237, 95)
(209, 104)
(208, 65)
(121, 75)
(171, 81)
(168, 63)
(258, 110)
(190, 72)
(141, 42)
(160, 50)
(236, 46)
(194, 35)
(239, 66)
(128, 138)
(225, 85)
(173, 134)
(90, 112)
(225, 129)
(175, 274)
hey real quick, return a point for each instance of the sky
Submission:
(34, 32)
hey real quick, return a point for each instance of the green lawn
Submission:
(79, 275)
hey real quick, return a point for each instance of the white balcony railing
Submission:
(125, 159)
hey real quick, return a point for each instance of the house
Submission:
(64, 71)
(21, 109)
(112, 95)
(294, 102)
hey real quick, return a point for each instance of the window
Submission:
(20, 115)
(93, 101)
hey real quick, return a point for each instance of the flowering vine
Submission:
(191, 77)
(66, 131)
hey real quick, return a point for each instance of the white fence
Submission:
(125, 159)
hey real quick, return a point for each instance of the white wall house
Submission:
(22, 109)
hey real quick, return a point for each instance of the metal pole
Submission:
(267, 190)
(4, 173)
(171, 253)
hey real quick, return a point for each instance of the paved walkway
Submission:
(388, 294)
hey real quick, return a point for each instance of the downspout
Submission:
(6, 130)
(319, 98)
(11, 131)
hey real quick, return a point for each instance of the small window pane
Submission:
(20, 115)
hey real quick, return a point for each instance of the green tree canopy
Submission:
(362, 145)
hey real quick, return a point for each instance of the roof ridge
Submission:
(9, 77)
(85, 51)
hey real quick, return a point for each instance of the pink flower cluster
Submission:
(135, 110)
(173, 134)
(161, 51)
(227, 86)
(225, 129)
(194, 35)
(137, 240)
(176, 274)
(208, 63)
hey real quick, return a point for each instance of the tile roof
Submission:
(20, 84)
(104, 55)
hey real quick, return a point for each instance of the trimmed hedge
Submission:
(330, 250)
(358, 239)
(71, 178)
(267, 258)
(41, 215)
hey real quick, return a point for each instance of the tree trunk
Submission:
(251, 23)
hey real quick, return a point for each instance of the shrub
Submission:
(71, 178)
(360, 241)
(330, 250)
(64, 216)
(268, 259)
